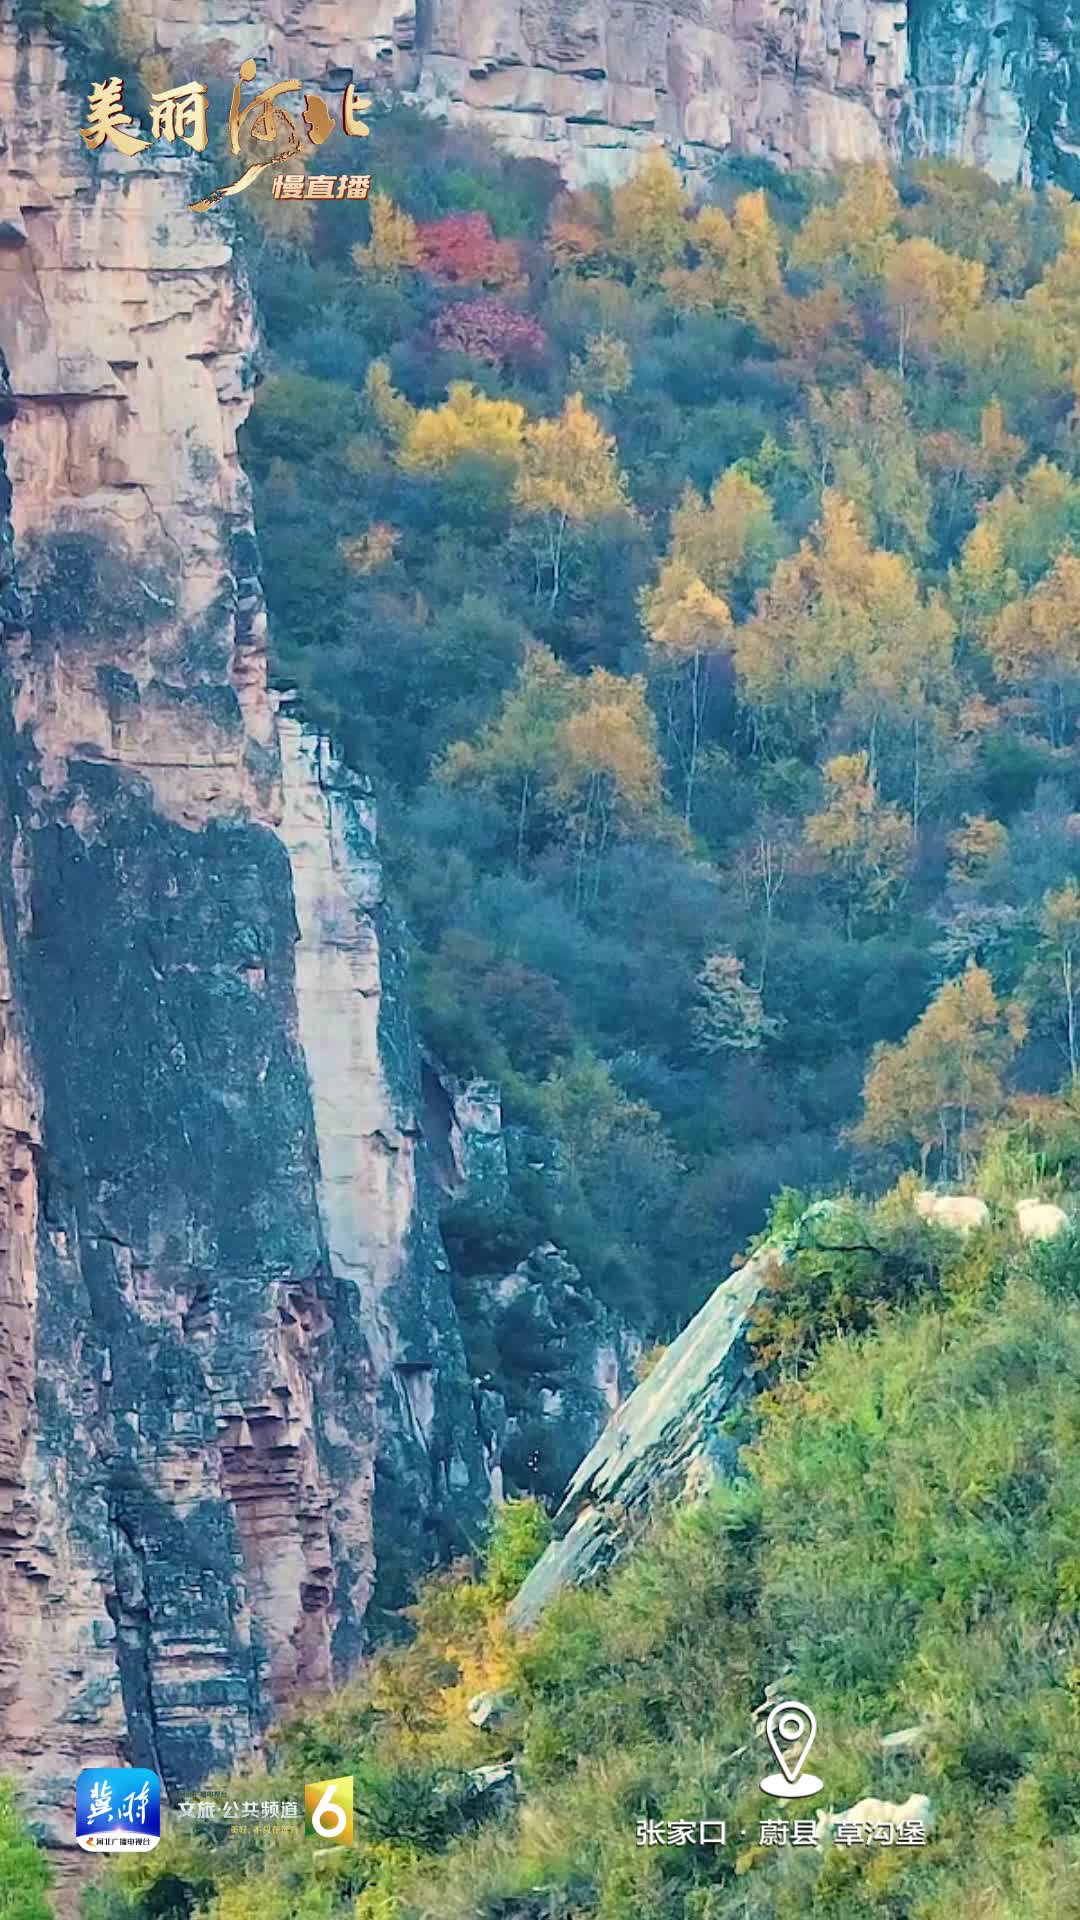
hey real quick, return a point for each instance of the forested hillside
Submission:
(698, 584)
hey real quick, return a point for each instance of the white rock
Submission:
(489, 1709)
(904, 1739)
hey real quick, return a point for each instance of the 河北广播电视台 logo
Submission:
(117, 1809)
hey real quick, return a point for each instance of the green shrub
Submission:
(520, 1531)
(25, 1874)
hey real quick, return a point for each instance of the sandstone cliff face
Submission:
(224, 1314)
(588, 87)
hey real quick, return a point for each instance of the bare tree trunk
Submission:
(556, 559)
(522, 811)
(583, 841)
(1070, 1009)
(772, 865)
(695, 734)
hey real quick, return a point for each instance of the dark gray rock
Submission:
(666, 1442)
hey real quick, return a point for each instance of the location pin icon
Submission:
(791, 1724)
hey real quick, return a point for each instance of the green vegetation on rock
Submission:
(900, 1548)
(25, 1875)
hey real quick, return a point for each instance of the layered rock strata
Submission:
(227, 1346)
(589, 88)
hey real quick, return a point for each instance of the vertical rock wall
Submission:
(996, 84)
(377, 1182)
(589, 87)
(225, 1314)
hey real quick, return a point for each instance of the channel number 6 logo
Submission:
(328, 1811)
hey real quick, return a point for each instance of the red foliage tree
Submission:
(462, 250)
(490, 329)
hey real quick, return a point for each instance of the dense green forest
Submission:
(700, 586)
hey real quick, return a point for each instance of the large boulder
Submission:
(559, 1358)
(666, 1441)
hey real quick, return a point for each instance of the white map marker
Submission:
(791, 1724)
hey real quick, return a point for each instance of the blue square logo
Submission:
(117, 1809)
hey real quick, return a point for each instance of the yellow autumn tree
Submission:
(1055, 301)
(977, 847)
(861, 846)
(1034, 644)
(687, 626)
(930, 295)
(569, 475)
(864, 444)
(466, 424)
(1025, 526)
(970, 214)
(738, 268)
(942, 1086)
(1000, 452)
(608, 778)
(606, 367)
(858, 233)
(519, 752)
(577, 751)
(982, 581)
(812, 328)
(844, 635)
(649, 217)
(715, 547)
(393, 247)
(433, 439)
(577, 237)
(390, 409)
(1014, 543)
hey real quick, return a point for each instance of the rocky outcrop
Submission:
(562, 1364)
(378, 1191)
(996, 83)
(591, 86)
(666, 1442)
(233, 1400)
